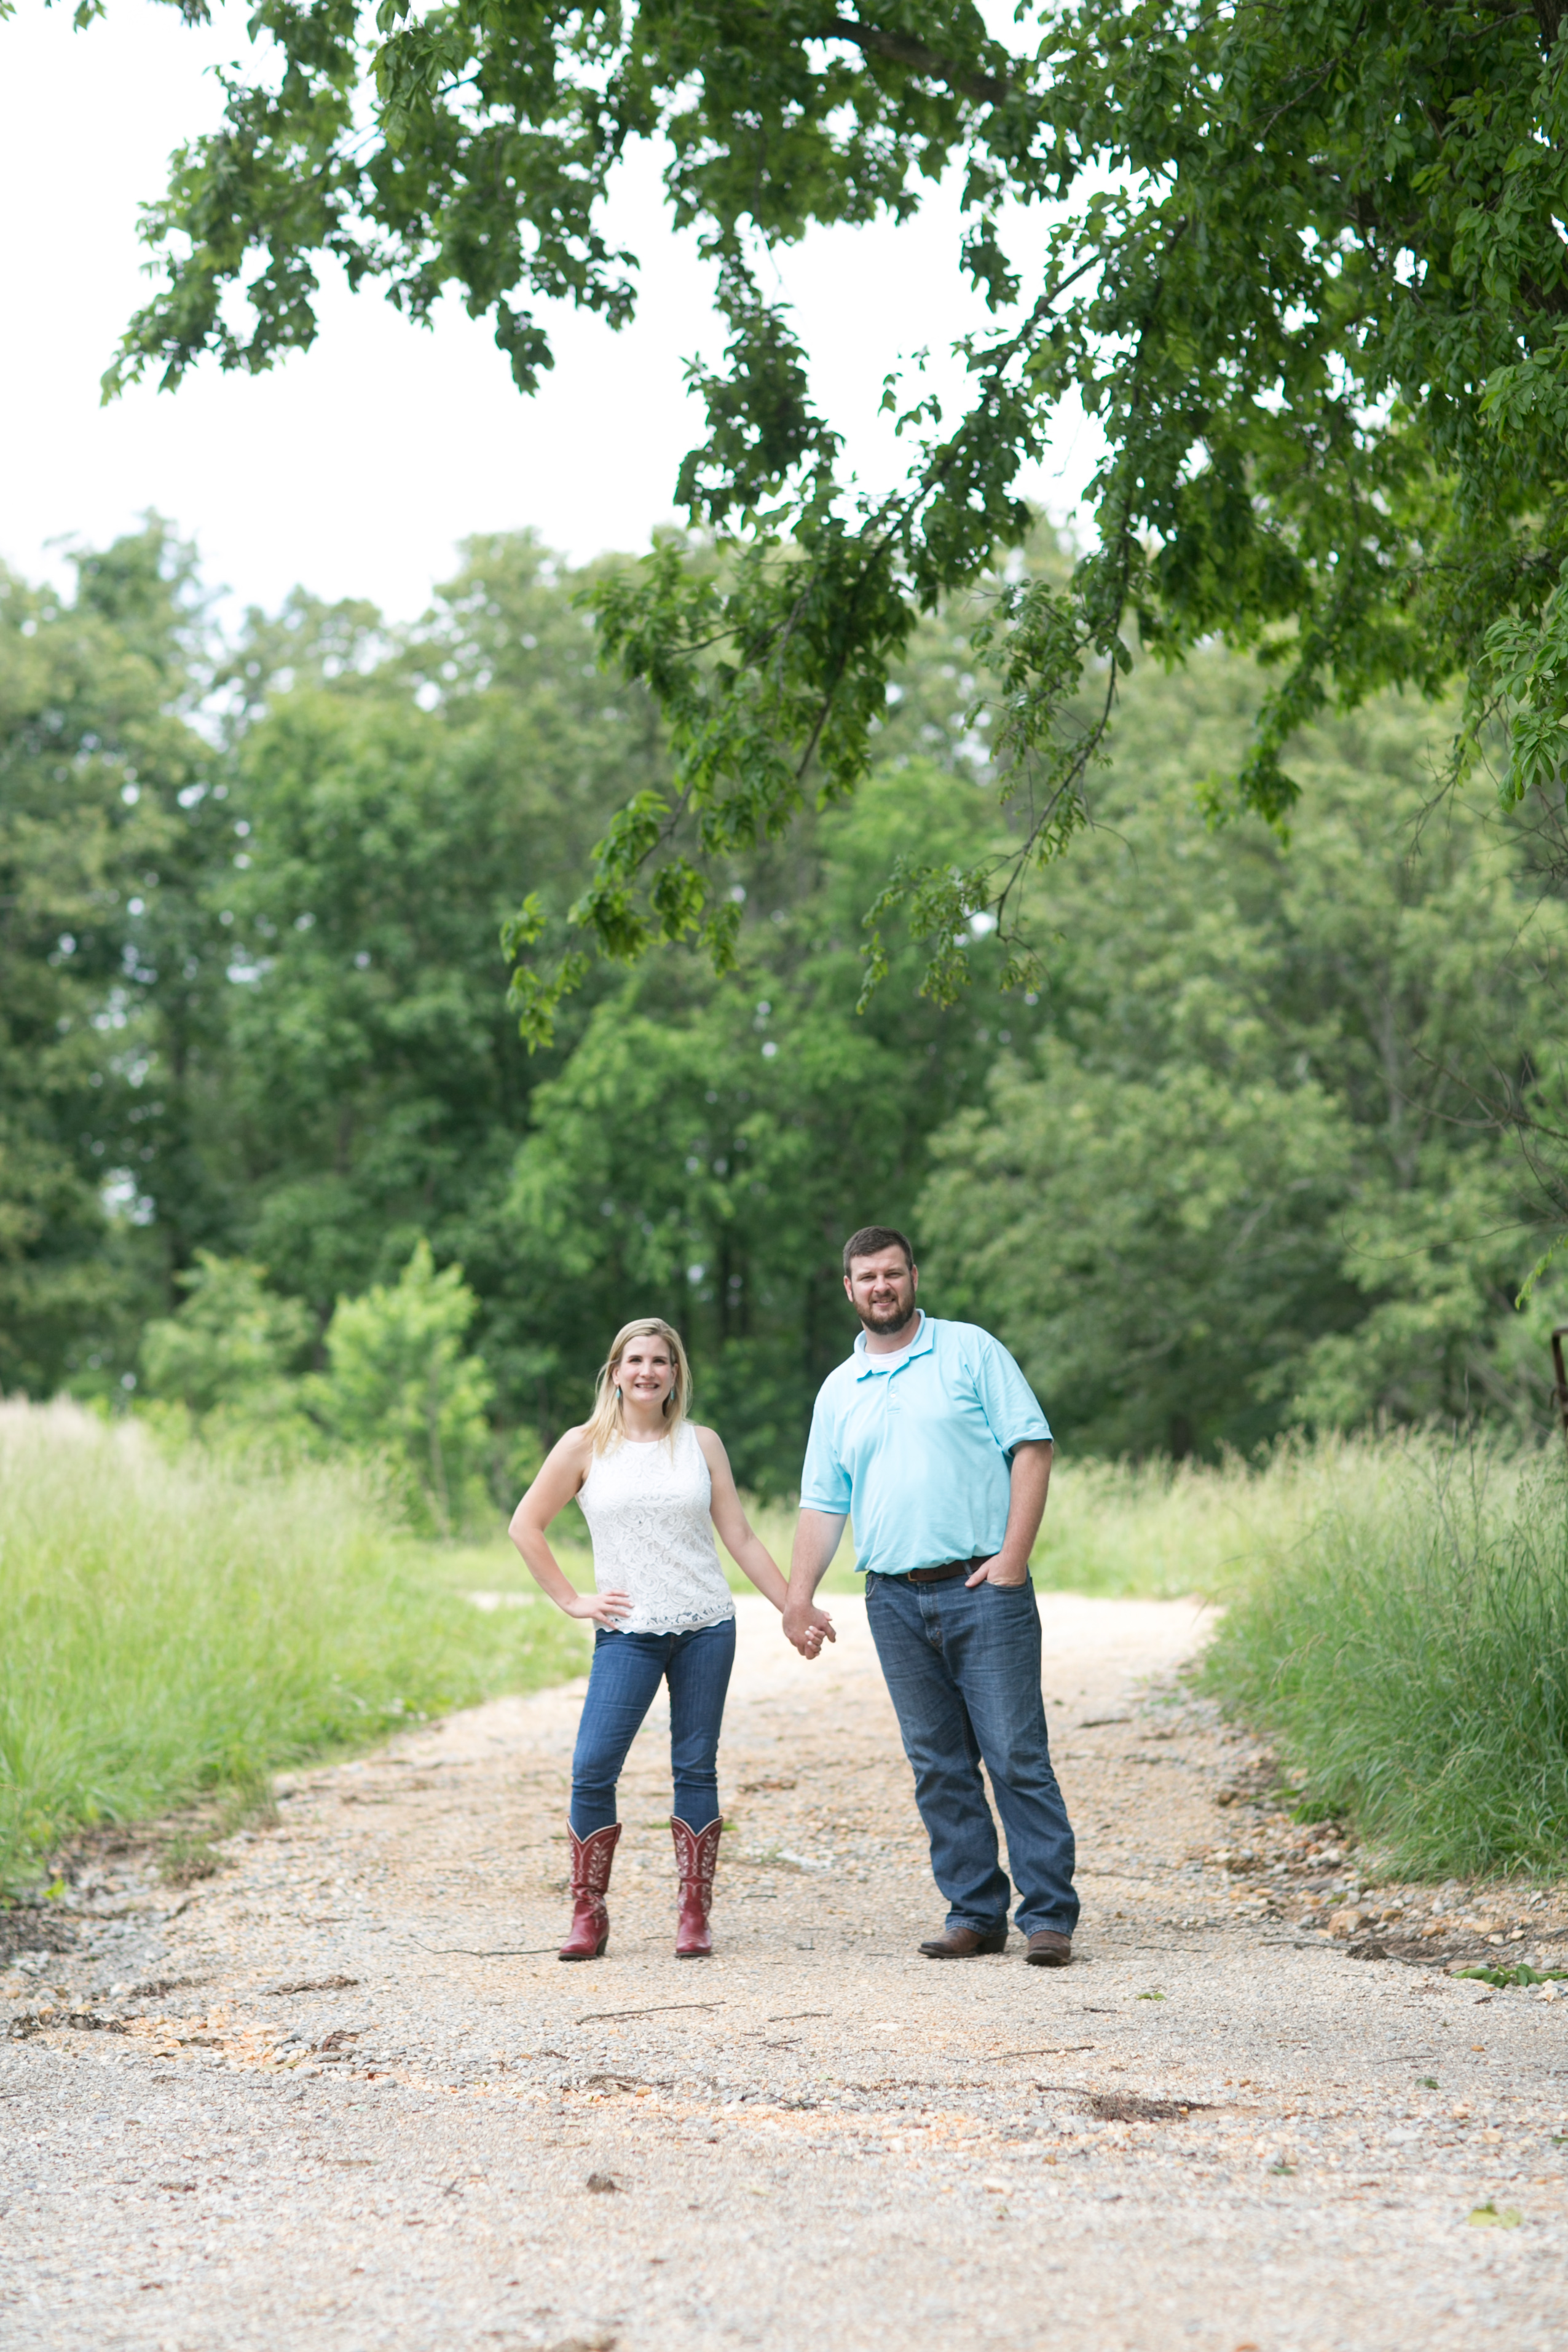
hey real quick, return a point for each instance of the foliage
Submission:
(174, 1627)
(101, 777)
(374, 1089)
(1234, 1162)
(375, 1092)
(706, 1148)
(399, 1380)
(1408, 1651)
(1159, 1253)
(1302, 267)
(229, 1369)
(1250, 1177)
(232, 1342)
(1522, 1974)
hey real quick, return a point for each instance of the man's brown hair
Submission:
(873, 1239)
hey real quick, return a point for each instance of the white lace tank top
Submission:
(647, 1511)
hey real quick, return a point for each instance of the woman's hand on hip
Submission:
(605, 1609)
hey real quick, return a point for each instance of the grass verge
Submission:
(173, 1627)
(1408, 1648)
(1157, 1529)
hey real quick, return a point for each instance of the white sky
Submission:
(357, 468)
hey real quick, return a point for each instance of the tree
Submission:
(708, 1147)
(390, 784)
(1304, 269)
(375, 1090)
(1160, 1254)
(1234, 1162)
(1249, 1177)
(105, 829)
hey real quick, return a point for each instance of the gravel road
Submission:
(342, 2094)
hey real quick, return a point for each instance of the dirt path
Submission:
(345, 2095)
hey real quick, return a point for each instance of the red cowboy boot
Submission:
(590, 1859)
(696, 1851)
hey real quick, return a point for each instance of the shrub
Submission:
(231, 1341)
(399, 1381)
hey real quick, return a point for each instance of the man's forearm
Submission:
(817, 1540)
(1028, 1486)
(817, 1535)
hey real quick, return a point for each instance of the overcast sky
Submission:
(357, 468)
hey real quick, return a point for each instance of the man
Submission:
(932, 1438)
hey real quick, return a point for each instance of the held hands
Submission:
(808, 1628)
(599, 1608)
(997, 1570)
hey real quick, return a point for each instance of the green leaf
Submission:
(1493, 2217)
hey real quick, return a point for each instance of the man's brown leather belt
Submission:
(948, 1568)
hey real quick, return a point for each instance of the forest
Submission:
(1246, 1159)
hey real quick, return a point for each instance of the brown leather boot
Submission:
(964, 1943)
(590, 1859)
(697, 1853)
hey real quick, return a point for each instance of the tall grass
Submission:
(1154, 1529)
(171, 1626)
(1409, 1648)
(1163, 1529)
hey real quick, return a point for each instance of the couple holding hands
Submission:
(930, 1435)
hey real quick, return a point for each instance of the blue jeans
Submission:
(963, 1668)
(622, 1681)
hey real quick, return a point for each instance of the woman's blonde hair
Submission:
(607, 1422)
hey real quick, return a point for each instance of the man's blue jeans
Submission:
(623, 1682)
(963, 1668)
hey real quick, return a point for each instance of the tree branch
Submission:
(904, 51)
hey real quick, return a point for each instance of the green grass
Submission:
(1149, 1530)
(1157, 1530)
(176, 1626)
(1153, 1530)
(1408, 1648)
(1161, 1529)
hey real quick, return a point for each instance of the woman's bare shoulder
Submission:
(710, 1441)
(573, 1448)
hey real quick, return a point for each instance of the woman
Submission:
(649, 1482)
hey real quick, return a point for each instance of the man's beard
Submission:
(883, 1323)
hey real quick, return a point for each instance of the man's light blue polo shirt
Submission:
(920, 1456)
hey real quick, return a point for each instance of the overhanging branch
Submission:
(904, 51)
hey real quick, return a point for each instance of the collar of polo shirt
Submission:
(896, 1358)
